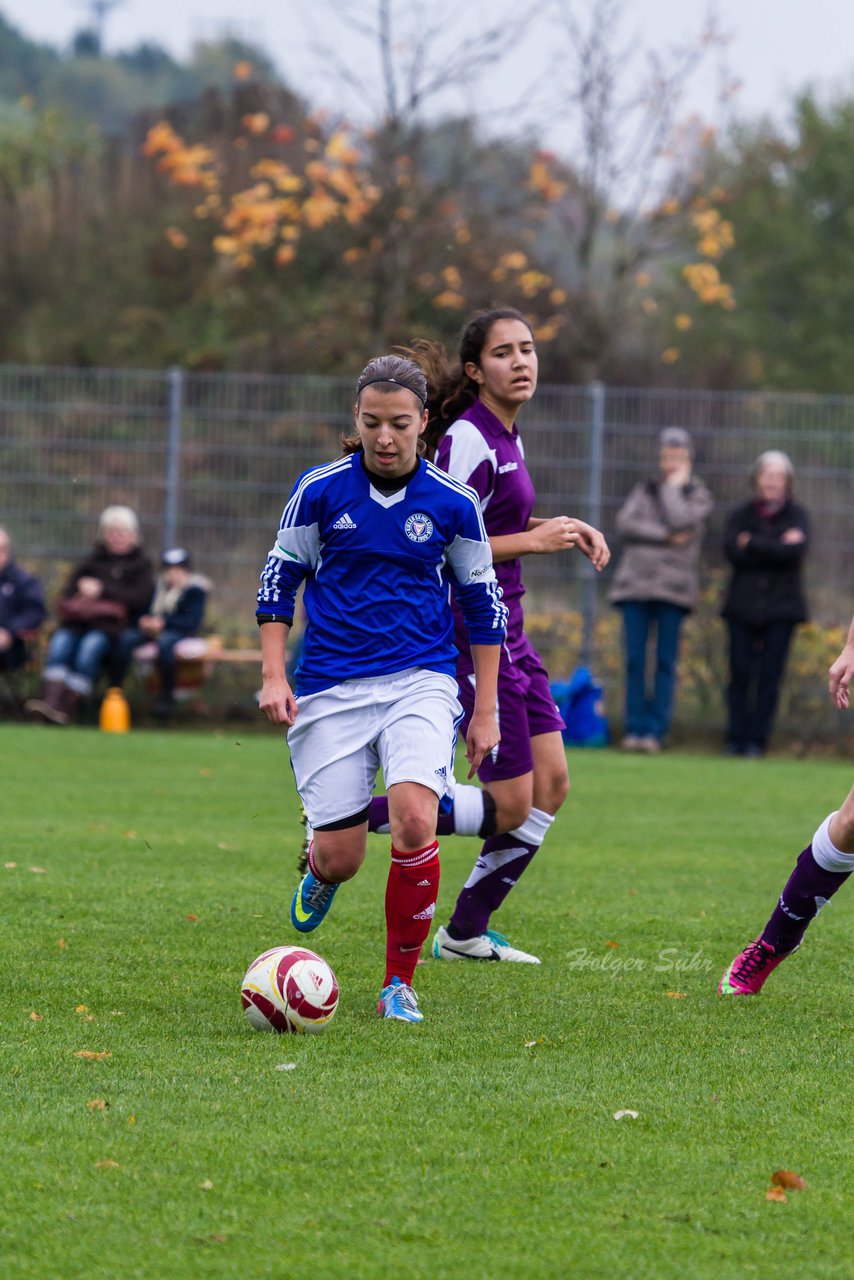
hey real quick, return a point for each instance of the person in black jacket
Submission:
(766, 540)
(22, 608)
(104, 594)
(176, 612)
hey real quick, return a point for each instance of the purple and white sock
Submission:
(500, 864)
(819, 872)
(469, 811)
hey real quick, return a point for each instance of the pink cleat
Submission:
(748, 971)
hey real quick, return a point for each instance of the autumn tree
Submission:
(418, 202)
(632, 176)
(790, 191)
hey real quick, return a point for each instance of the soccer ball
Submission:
(289, 989)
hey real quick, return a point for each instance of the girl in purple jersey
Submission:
(472, 430)
(822, 868)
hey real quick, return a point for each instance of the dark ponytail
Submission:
(450, 389)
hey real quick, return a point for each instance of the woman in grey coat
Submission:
(656, 583)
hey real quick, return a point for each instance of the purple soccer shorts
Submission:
(526, 709)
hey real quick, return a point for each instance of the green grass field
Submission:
(457, 1148)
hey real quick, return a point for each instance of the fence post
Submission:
(596, 442)
(175, 405)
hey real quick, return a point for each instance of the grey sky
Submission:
(777, 47)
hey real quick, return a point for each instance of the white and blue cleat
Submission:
(400, 1002)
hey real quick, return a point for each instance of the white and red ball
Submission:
(289, 989)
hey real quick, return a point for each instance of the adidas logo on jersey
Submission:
(345, 522)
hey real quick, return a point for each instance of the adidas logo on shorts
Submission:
(345, 522)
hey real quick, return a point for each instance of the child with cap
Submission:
(176, 612)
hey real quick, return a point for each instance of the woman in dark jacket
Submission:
(766, 540)
(106, 593)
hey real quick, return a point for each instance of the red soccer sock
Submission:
(312, 866)
(410, 903)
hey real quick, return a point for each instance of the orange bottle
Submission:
(115, 712)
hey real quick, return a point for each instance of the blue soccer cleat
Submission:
(312, 900)
(399, 1001)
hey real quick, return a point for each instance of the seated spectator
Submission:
(766, 541)
(176, 612)
(106, 593)
(22, 608)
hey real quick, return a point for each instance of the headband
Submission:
(370, 382)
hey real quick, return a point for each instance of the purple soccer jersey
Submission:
(481, 452)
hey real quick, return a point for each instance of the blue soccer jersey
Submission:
(377, 568)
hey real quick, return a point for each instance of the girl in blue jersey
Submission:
(377, 537)
(473, 431)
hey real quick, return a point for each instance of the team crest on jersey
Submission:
(418, 528)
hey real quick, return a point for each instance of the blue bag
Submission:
(580, 703)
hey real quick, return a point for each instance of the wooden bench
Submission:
(196, 657)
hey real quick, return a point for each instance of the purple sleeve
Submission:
(456, 462)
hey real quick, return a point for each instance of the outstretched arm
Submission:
(842, 671)
(543, 537)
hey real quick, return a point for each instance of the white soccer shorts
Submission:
(405, 723)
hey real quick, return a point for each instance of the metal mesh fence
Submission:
(208, 460)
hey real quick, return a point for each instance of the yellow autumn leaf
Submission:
(340, 149)
(448, 298)
(515, 261)
(256, 122)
